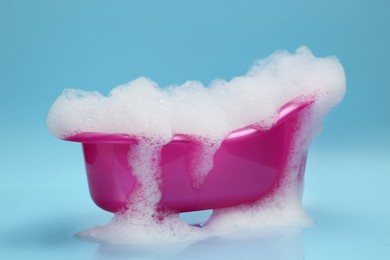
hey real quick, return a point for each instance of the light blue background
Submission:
(46, 46)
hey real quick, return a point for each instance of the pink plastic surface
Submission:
(248, 165)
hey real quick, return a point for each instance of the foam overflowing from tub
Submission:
(142, 108)
(154, 116)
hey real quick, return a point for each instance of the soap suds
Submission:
(155, 115)
(142, 108)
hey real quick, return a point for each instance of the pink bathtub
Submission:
(248, 165)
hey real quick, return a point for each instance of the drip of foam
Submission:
(202, 162)
(142, 223)
(140, 108)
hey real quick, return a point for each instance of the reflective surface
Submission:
(264, 244)
(40, 216)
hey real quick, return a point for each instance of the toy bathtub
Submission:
(249, 165)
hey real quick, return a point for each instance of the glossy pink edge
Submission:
(248, 165)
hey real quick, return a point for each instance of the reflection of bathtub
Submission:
(248, 165)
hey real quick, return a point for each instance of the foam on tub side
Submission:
(142, 223)
(283, 207)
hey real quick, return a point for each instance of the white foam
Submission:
(155, 115)
(141, 108)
